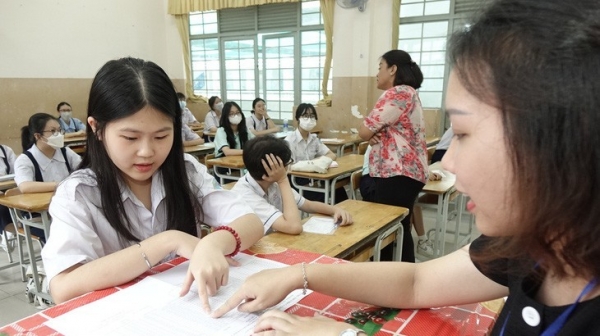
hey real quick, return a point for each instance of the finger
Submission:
(203, 296)
(251, 305)
(266, 166)
(234, 301)
(273, 321)
(233, 262)
(187, 284)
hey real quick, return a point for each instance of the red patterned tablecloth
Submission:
(472, 319)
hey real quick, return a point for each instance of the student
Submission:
(187, 117)
(189, 137)
(211, 121)
(260, 123)
(442, 146)
(267, 189)
(526, 151)
(138, 199)
(233, 133)
(306, 146)
(7, 166)
(72, 126)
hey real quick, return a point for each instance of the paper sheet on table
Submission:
(153, 307)
(321, 225)
(330, 139)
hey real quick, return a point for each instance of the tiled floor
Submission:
(14, 304)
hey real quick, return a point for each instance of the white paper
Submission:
(209, 144)
(320, 225)
(330, 139)
(153, 307)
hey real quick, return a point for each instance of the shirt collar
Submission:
(157, 191)
(254, 185)
(42, 160)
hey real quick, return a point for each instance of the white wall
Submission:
(74, 38)
(360, 38)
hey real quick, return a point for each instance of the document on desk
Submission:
(153, 307)
(320, 225)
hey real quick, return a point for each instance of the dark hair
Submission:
(242, 129)
(211, 102)
(120, 89)
(407, 71)
(35, 125)
(61, 105)
(303, 107)
(254, 102)
(180, 96)
(257, 149)
(543, 78)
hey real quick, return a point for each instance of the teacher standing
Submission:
(395, 128)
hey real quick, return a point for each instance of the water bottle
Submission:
(285, 125)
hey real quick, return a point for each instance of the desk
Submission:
(210, 135)
(431, 141)
(373, 222)
(471, 319)
(79, 140)
(235, 162)
(38, 202)
(346, 166)
(341, 142)
(197, 150)
(8, 184)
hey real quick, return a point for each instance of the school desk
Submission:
(198, 150)
(79, 140)
(234, 164)
(37, 202)
(342, 141)
(373, 228)
(8, 184)
(210, 135)
(347, 164)
(471, 319)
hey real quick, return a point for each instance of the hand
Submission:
(276, 170)
(322, 164)
(276, 322)
(342, 217)
(210, 269)
(375, 139)
(263, 290)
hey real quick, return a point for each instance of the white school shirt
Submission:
(307, 149)
(81, 233)
(10, 157)
(53, 170)
(221, 141)
(211, 120)
(257, 125)
(187, 117)
(446, 140)
(267, 206)
(187, 134)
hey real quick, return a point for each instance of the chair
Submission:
(362, 147)
(355, 183)
(430, 151)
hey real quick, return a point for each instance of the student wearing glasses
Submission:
(268, 192)
(71, 126)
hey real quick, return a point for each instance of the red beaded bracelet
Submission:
(238, 241)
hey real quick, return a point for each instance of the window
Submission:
(275, 52)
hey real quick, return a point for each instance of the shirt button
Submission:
(531, 316)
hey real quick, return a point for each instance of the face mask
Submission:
(182, 103)
(56, 141)
(307, 124)
(65, 115)
(219, 106)
(235, 119)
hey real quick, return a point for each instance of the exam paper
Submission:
(153, 307)
(320, 225)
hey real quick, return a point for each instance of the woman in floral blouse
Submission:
(396, 130)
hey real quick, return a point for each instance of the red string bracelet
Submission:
(238, 241)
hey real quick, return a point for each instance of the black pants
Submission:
(340, 193)
(367, 188)
(399, 191)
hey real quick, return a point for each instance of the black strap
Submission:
(36, 166)
(5, 160)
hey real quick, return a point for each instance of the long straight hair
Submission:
(242, 128)
(120, 89)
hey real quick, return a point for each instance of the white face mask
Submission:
(219, 106)
(235, 119)
(182, 103)
(56, 141)
(65, 115)
(308, 124)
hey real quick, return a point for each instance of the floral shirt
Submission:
(398, 116)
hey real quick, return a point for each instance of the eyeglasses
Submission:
(233, 114)
(55, 131)
(309, 116)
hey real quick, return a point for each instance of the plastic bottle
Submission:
(285, 125)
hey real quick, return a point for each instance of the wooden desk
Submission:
(197, 127)
(79, 140)
(346, 166)
(235, 162)
(372, 224)
(197, 150)
(339, 144)
(431, 141)
(471, 319)
(210, 135)
(38, 202)
(8, 184)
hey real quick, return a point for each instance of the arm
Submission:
(270, 130)
(75, 134)
(194, 142)
(406, 285)
(290, 222)
(323, 150)
(30, 187)
(231, 152)
(341, 216)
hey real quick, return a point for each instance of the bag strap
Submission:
(63, 150)
(36, 166)
(5, 160)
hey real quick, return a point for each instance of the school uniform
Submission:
(74, 125)
(221, 141)
(52, 169)
(257, 125)
(267, 206)
(211, 120)
(7, 166)
(187, 117)
(81, 232)
(187, 134)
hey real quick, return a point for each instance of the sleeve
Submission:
(267, 213)
(24, 170)
(299, 199)
(388, 109)
(74, 158)
(209, 121)
(322, 149)
(220, 140)
(73, 239)
(219, 206)
(188, 116)
(496, 270)
(79, 125)
(289, 140)
(250, 123)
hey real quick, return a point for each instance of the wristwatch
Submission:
(352, 332)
